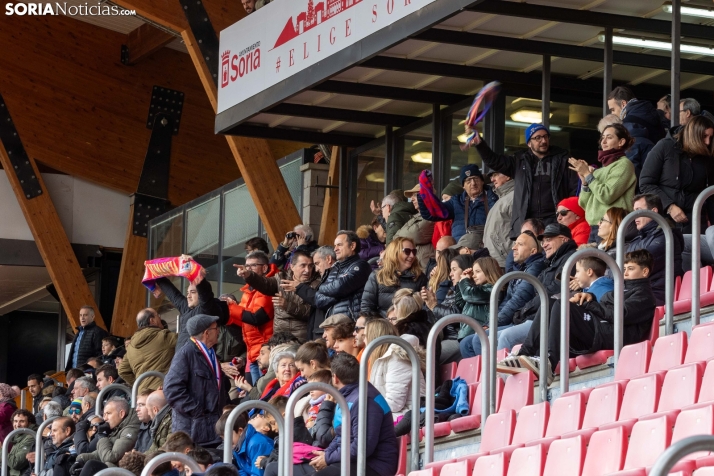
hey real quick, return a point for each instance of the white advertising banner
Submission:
(287, 36)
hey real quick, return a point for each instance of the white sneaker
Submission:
(533, 364)
(510, 365)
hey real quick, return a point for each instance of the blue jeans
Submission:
(255, 372)
(508, 336)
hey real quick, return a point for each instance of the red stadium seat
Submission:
(634, 360)
(648, 440)
(402, 466)
(528, 461)
(501, 354)
(606, 452)
(447, 371)
(640, 398)
(701, 344)
(654, 330)
(592, 360)
(694, 421)
(459, 468)
(491, 465)
(705, 281)
(566, 415)
(518, 392)
(704, 471)
(437, 466)
(498, 431)
(473, 419)
(423, 472)
(680, 387)
(602, 408)
(572, 365)
(668, 352)
(469, 369)
(531, 424)
(706, 392)
(565, 456)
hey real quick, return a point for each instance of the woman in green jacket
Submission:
(476, 285)
(611, 185)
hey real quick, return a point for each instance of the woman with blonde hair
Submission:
(390, 367)
(440, 281)
(400, 270)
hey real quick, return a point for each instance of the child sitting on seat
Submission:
(476, 285)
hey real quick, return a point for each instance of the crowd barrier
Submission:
(6, 445)
(697, 251)
(99, 408)
(287, 437)
(115, 472)
(139, 379)
(39, 447)
(679, 450)
(363, 377)
(243, 408)
(162, 458)
(493, 328)
(488, 400)
(669, 259)
(618, 319)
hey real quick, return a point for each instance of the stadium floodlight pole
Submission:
(697, 251)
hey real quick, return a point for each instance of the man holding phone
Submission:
(300, 239)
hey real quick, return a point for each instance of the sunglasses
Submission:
(562, 213)
(409, 251)
(74, 411)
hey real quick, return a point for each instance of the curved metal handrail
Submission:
(486, 401)
(697, 251)
(23, 399)
(99, 407)
(618, 319)
(6, 444)
(679, 450)
(164, 457)
(363, 387)
(39, 447)
(544, 319)
(242, 408)
(114, 472)
(669, 259)
(286, 445)
(139, 379)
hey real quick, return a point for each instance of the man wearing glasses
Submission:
(195, 386)
(540, 174)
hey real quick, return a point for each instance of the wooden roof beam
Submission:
(144, 41)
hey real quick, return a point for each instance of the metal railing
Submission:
(679, 450)
(162, 458)
(431, 370)
(669, 259)
(99, 408)
(493, 329)
(697, 251)
(618, 319)
(6, 444)
(286, 442)
(139, 379)
(114, 472)
(235, 413)
(23, 399)
(363, 387)
(39, 447)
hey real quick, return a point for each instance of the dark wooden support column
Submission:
(45, 225)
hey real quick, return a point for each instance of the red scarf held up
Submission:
(606, 157)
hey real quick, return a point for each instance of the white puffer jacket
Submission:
(392, 375)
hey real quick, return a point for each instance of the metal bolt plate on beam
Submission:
(145, 208)
(204, 33)
(18, 156)
(166, 101)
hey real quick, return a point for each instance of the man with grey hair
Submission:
(83, 386)
(51, 410)
(151, 348)
(88, 341)
(393, 212)
(195, 386)
(300, 239)
(124, 429)
(688, 108)
(323, 258)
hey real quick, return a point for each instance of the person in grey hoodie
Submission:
(496, 235)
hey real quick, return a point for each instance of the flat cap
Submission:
(336, 320)
(199, 323)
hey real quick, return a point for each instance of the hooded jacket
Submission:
(120, 441)
(192, 391)
(642, 121)
(207, 304)
(391, 375)
(150, 348)
(520, 167)
(378, 297)
(669, 172)
(341, 291)
(420, 232)
(294, 315)
(160, 428)
(382, 451)
(401, 212)
(519, 291)
(16, 458)
(90, 344)
(639, 310)
(456, 210)
(496, 234)
(651, 238)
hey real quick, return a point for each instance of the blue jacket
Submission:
(456, 207)
(382, 448)
(254, 444)
(460, 392)
(651, 238)
(600, 286)
(341, 290)
(520, 291)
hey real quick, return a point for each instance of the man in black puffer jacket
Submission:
(541, 175)
(341, 291)
(88, 341)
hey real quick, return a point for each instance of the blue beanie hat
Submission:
(469, 170)
(533, 128)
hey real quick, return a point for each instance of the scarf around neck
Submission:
(211, 359)
(606, 157)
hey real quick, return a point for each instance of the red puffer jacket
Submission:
(255, 315)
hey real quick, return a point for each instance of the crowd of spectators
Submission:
(307, 312)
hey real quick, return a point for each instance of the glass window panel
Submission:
(167, 240)
(459, 157)
(370, 182)
(417, 155)
(202, 224)
(293, 179)
(240, 224)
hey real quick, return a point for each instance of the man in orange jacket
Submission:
(255, 312)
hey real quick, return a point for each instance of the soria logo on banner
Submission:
(287, 36)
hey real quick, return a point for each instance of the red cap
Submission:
(571, 203)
